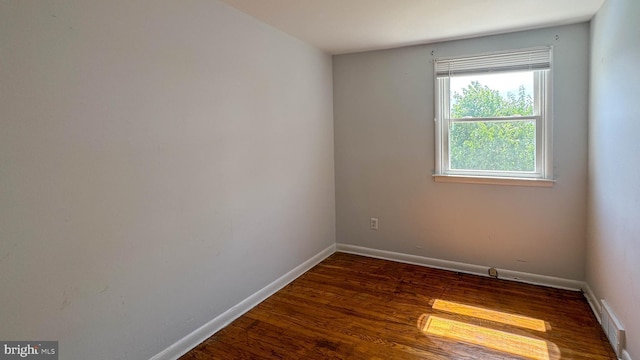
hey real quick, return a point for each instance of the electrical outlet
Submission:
(374, 223)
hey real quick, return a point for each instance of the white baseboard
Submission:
(593, 301)
(199, 335)
(462, 267)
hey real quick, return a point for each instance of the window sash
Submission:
(443, 123)
(536, 173)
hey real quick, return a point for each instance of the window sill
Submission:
(464, 179)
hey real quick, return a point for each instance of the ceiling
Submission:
(345, 26)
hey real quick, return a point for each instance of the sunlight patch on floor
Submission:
(489, 338)
(492, 315)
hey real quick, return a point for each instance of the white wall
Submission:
(613, 251)
(159, 162)
(384, 134)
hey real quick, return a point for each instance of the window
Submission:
(493, 118)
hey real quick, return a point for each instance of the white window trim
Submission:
(543, 175)
(513, 181)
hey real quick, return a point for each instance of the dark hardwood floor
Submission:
(353, 307)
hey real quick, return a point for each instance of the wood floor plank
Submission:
(354, 307)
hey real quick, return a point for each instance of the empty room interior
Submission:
(320, 179)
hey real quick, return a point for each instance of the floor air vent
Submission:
(612, 328)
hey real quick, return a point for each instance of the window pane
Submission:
(493, 145)
(492, 95)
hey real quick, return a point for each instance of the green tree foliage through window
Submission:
(507, 145)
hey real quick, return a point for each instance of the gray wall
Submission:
(384, 135)
(159, 162)
(613, 251)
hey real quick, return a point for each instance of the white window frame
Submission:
(536, 60)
